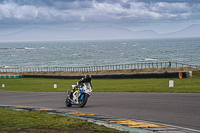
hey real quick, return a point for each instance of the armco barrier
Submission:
(10, 76)
(185, 74)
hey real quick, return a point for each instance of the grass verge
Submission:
(31, 121)
(185, 85)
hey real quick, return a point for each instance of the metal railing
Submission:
(100, 68)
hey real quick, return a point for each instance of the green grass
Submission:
(185, 85)
(36, 84)
(31, 121)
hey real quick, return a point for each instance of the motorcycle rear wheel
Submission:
(83, 102)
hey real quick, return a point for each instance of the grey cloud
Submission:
(164, 7)
(73, 5)
(168, 1)
(59, 4)
(89, 11)
(30, 2)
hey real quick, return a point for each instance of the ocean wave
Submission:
(16, 48)
(28, 48)
(10, 48)
(19, 48)
(150, 59)
(4, 66)
(4, 48)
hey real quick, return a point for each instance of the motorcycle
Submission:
(78, 95)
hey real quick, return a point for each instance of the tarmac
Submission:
(130, 125)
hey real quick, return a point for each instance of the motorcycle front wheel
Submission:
(68, 101)
(83, 101)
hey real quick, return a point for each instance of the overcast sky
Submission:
(159, 15)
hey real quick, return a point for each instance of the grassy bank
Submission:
(186, 85)
(31, 121)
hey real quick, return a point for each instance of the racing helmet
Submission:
(88, 77)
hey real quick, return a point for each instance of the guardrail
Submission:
(100, 68)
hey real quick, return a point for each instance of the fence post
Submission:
(170, 64)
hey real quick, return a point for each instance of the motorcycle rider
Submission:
(86, 80)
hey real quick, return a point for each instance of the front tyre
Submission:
(83, 101)
(68, 100)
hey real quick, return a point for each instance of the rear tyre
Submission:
(83, 101)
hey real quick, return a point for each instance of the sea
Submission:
(80, 53)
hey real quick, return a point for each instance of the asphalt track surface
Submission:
(177, 109)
